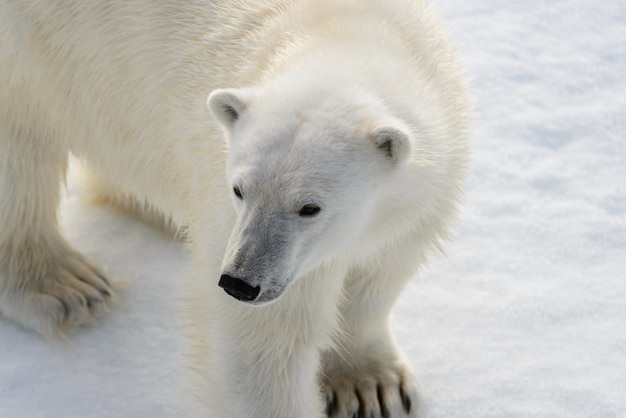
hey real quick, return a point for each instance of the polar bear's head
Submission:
(305, 175)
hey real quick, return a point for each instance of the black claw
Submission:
(104, 279)
(361, 411)
(381, 402)
(385, 411)
(330, 405)
(66, 309)
(406, 400)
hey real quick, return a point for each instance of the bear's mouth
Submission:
(269, 295)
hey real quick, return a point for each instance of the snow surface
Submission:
(524, 317)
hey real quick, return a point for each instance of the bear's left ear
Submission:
(393, 142)
(227, 105)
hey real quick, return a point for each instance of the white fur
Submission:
(355, 106)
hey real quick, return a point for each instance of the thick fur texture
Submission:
(327, 164)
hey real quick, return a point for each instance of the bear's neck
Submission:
(324, 37)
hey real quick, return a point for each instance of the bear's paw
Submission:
(53, 289)
(376, 392)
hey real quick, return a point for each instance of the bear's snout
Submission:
(238, 288)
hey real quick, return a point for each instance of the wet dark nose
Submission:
(238, 288)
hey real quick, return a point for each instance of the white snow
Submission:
(525, 316)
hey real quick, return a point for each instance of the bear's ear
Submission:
(393, 142)
(227, 105)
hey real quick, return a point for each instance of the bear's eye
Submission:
(309, 210)
(237, 192)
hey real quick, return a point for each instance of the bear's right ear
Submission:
(227, 105)
(393, 142)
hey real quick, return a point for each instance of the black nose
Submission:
(238, 288)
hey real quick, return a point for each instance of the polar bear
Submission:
(326, 164)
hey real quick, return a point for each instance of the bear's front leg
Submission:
(365, 375)
(45, 284)
(265, 360)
